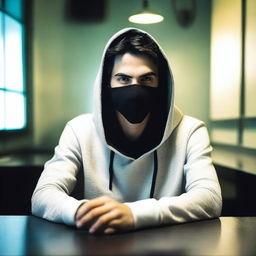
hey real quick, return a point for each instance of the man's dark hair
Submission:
(134, 42)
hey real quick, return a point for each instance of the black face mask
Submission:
(134, 101)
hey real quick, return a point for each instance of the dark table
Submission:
(28, 235)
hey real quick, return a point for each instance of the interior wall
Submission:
(66, 56)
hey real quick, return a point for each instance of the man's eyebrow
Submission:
(122, 74)
(149, 74)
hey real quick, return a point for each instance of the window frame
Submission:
(27, 64)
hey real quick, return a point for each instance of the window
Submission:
(233, 74)
(13, 114)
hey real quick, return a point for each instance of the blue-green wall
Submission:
(66, 56)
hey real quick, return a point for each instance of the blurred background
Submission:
(50, 51)
(65, 52)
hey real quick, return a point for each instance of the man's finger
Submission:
(103, 220)
(88, 206)
(109, 231)
(93, 215)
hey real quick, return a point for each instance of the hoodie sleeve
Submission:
(51, 199)
(202, 198)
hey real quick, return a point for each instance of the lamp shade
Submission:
(146, 16)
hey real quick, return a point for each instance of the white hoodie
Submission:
(186, 185)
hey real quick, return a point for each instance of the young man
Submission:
(144, 162)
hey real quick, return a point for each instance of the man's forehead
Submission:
(130, 62)
(132, 57)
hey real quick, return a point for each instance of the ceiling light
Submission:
(146, 16)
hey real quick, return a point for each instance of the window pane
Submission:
(226, 60)
(249, 133)
(250, 60)
(14, 7)
(12, 88)
(15, 111)
(225, 131)
(13, 55)
(1, 52)
(2, 108)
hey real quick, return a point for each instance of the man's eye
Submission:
(123, 80)
(147, 79)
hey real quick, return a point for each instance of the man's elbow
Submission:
(215, 206)
(35, 206)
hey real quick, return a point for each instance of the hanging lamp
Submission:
(146, 16)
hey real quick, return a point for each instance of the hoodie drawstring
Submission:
(111, 171)
(153, 183)
(152, 190)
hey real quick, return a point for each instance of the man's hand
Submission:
(106, 214)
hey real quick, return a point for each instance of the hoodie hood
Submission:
(174, 115)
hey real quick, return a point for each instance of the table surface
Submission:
(28, 235)
(25, 159)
